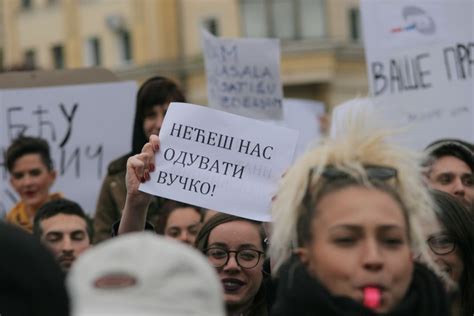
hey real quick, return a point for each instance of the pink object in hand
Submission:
(372, 297)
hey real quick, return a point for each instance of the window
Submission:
(312, 18)
(92, 52)
(58, 56)
(253, 17)
(283, 19)
(211, 25)
(354, 24)
(286, 19)
(30, 58)
(125, 46)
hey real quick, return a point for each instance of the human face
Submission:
(452, 175)
(31, 179)
(66, 236)
(451, 263)
(360, 239)
(240, 285)
(154, 119)
(183, 224)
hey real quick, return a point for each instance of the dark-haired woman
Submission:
(236, 247)
(180, 221)
(153, 99)
(451, 242)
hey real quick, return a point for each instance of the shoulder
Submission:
(118, 165)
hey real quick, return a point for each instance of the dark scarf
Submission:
(300, 294)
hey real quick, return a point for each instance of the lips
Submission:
(67, 260)
(232, 285)
(29, 194)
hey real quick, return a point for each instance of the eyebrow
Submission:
(56, 232)
(442, 232)
(243, 246)
(359, 228)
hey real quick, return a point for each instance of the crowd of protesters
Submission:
(360, 227)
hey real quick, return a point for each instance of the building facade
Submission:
(322, 54)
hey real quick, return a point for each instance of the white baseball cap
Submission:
(142, 274)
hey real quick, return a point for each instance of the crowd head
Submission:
(30, 165)
(236, 247)
(180, 221)
(65, 229)
(144, 274)
(351, 210)
(450, 168)
(153, 99)
(31, 282)
(451, 242)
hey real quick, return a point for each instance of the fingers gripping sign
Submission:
(138, 171)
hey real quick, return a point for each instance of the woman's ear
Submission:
(302, 254)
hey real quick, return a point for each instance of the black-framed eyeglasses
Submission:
(246, 258)
(441, 244)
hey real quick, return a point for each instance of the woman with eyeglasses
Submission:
(350, 209)
(451, 242)
(236, 246)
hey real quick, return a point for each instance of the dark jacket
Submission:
(112, 200)
(300, 294)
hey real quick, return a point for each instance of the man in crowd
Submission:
(65, 229)
(450, 168)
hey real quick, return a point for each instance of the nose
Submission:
(372, 257)
(67, 244)
(184, 237)
(27, 180)
(232, 264)
(458, 187)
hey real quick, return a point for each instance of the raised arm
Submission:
(136, 203)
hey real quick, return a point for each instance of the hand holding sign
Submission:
(136, 203)
(220, 161)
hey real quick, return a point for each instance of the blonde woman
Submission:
(346, 230)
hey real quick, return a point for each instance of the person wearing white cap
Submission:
(143, 274)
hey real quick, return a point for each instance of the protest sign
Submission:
(82, 126)
(243, 76)
(220, 161)
(420, 60)
(302, 115)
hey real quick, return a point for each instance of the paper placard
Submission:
(243, 76)
(302, 115)
(420, 66)
(220, 160)
(82, 126)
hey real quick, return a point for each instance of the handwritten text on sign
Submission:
(243, 76)
(77, 121)
(220, 161)
(420, 59)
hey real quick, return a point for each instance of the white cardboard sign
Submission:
(421, 65)
(302, 115)
(86, 127)
(220, 160)
(243, 76)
